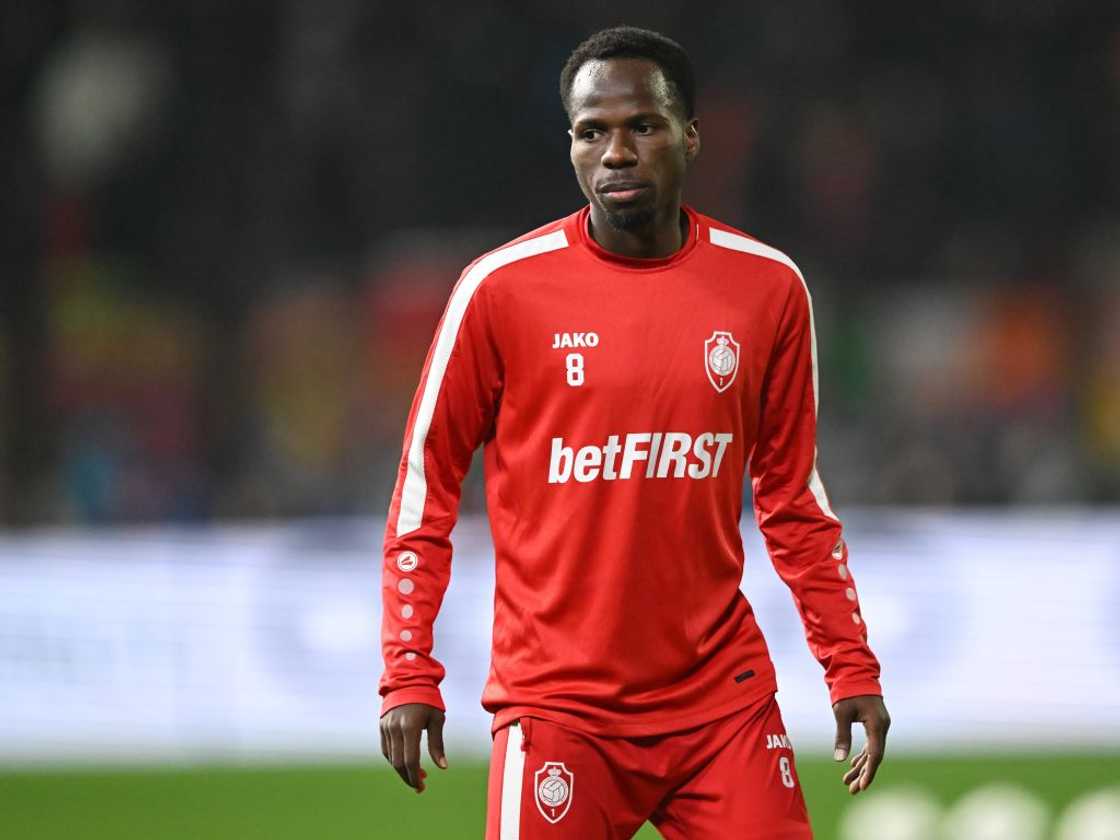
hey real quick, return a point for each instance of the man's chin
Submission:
(630, 220)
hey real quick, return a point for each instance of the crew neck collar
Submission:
(582, 235)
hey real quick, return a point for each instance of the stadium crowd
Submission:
(229, 231)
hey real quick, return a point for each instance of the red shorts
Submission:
(733, 777)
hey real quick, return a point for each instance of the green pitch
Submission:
(340, 802)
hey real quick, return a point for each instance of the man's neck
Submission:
(663, 236)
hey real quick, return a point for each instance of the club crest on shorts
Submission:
(721, 360)
(554, 784)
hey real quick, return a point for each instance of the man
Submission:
(623, 368)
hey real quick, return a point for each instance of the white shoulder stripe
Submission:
(415, 491)
(735, 242)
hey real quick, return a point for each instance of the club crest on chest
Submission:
(721, 360)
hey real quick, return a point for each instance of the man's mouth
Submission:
(622, 192)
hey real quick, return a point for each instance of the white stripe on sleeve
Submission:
(735, 242)
(414, 494)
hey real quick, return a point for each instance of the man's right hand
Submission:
(400, 740)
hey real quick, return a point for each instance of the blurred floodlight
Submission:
(1095, 816)
(996, 812)
(97, 97)
(891, 814)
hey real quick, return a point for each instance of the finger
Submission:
(852, 779)
(867, 772)
(857, 766)
(843, 743)
(412, 757)
(396, 749)
(876, 747)
(852, 775)
(855, 771)
(385, 745)
(435, 741)
(860, 756)
(397, 745)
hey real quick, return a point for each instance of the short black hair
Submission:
(632, 42)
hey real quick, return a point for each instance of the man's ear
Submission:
(692, 140)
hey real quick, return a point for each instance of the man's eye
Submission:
(589, 134)
(643, 128)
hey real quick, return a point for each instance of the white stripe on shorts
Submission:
(511, 785)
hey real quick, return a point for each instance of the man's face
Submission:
(630, 144)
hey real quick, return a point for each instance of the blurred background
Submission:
(228, 232)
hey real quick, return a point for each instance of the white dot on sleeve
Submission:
(406, 635)
(855, 618)
(410, 656)
(842, 570)
(405, 586)
(850, 593)
(406, 610)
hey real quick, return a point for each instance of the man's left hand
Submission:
(869, 710)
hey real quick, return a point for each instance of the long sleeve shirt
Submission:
(620, 404)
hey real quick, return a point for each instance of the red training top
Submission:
(620, 402)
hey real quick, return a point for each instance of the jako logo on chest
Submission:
(574, 339)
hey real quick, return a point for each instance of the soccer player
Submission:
(623, 368)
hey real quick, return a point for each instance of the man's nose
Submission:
(619, 152)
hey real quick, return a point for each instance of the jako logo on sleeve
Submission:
(656, 454)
